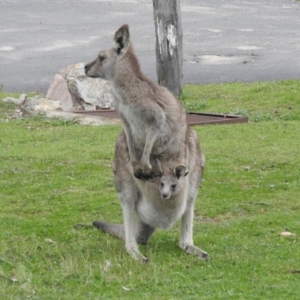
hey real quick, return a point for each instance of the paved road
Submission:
(224, 40)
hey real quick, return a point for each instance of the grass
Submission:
(262, 101)
(55, 174)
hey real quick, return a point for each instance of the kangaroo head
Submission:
(170, 182)
(105, 64)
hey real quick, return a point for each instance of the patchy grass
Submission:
(55, 174)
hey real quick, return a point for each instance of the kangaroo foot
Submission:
(136, 255)
(146, 173)
(191, 249)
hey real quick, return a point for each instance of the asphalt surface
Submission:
(224, 40)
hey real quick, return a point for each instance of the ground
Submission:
(224, 41)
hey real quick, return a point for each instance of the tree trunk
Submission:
(167, 19)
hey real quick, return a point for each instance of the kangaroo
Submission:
(149, 112)
(156, 203)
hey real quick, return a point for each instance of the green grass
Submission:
(55, 174)
(262, 101)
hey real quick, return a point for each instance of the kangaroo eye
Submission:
(101, 58)
(161, 184)
(173, 186)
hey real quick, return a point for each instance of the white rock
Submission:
(87, 93)
(81, 118)
(38, 104)
(45, 105)
(286, 233)
(17, 101)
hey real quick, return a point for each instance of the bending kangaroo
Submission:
(158, 202)
(154, 121)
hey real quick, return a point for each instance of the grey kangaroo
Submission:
(156, 144)
(154, 121)
(159, 202)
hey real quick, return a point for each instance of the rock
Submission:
(58, 91)
(81, 118)
(75, 91)
(72, 71)
(22, 97)
(45, 105)
(52, 109)
(17, 101)
(40, 104)
(87, 93)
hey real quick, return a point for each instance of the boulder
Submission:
(58, 91)
(87, 93)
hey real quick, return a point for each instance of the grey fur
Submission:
(143, 202)
(156, 145)
(149, 112)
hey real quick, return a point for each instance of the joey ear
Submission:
(180, 171)
(122, 38)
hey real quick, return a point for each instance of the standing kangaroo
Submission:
(156, 144)
(154, 121)
(157, 203)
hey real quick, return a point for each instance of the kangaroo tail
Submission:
(116, 230)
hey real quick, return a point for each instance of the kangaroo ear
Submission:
(122, 38)
(180, 171)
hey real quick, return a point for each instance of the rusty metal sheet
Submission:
(205, 118)
(193, 118)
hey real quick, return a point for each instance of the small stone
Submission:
(22, 97)
(286, 233)
(13, 100)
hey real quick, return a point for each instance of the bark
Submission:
(167, 19)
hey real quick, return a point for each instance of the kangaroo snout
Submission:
(165, 196)
(89, 70)
(86, 68)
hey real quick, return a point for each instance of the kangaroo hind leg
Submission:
(143, 233)
(186, 239)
